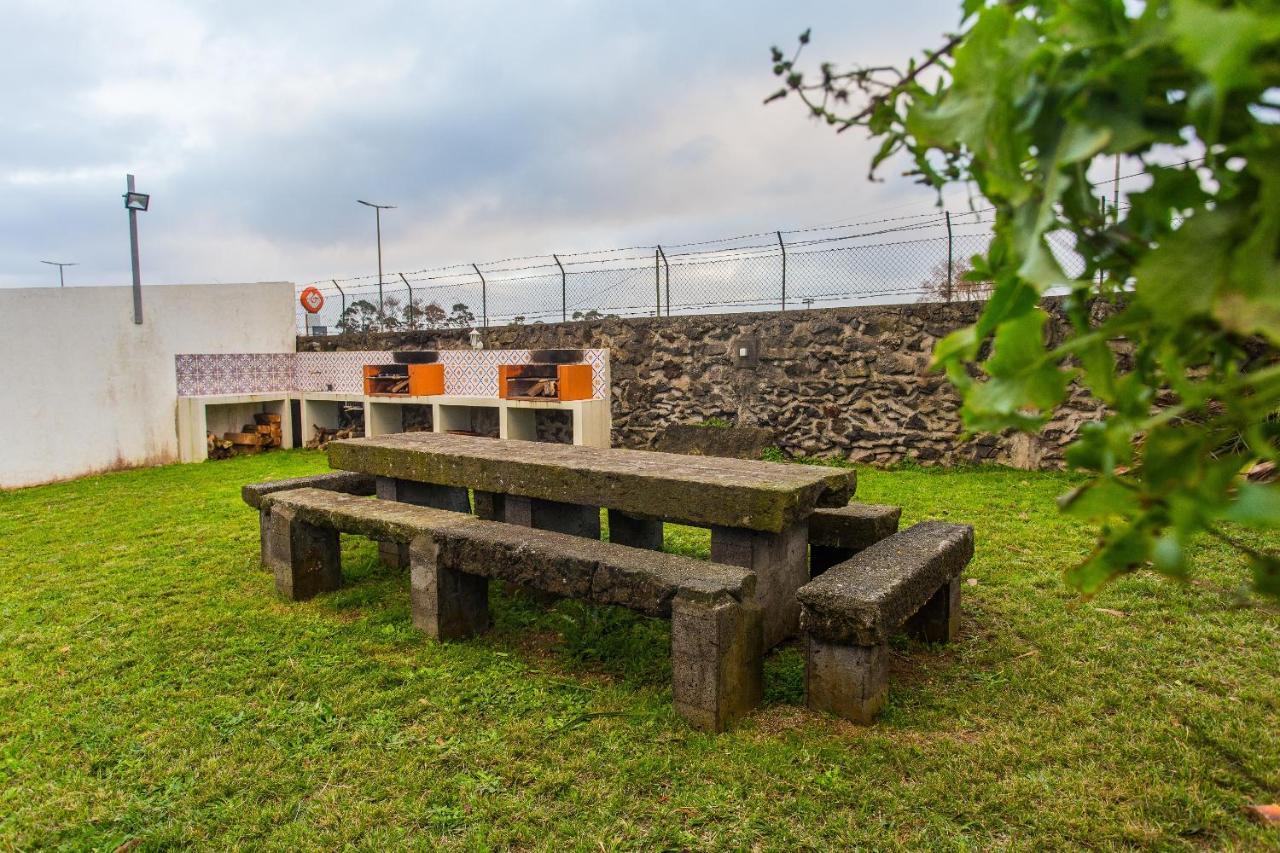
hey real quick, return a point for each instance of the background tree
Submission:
(360, 317)
(954, 284)
(1017, 105)
(389, 318)
(461, 316)
(424, 315)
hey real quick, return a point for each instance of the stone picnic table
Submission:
(758, 512)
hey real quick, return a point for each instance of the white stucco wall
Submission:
(83, 389)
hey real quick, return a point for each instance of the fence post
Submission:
(344, 297)
(564, 292)
(657, 285)
(666, 268)
(408, 309)
(949, 255)
(484, 296)
(1101, 275)
(783, 247)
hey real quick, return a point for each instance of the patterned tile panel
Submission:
(472, 373)
(334, 371)
(234, 373)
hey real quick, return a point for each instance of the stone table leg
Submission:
(453, 498)
(634, 532)
(780, 563)
(446, 604)
(305, 558)
(573, 519)
(938, 621)
(823, 557)
(491, 506)
(717, 660)
(848, 681)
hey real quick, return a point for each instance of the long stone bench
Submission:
(716, 631)
(347, 482)
(910, 580)
(837, 533)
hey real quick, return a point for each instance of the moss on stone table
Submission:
(765, 496)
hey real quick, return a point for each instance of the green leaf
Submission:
(1221, 40)
(1266, 575)
(1101, 447)
(1082, 143)
(1119, 553)
(1169, 556)
(1256, 506)
(962, 343)
(1100, 500)
(1178, 279)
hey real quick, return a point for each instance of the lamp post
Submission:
(62, 282)
(377, 218)
(133, 202)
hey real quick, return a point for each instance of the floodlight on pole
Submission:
(133, 202)
(62, 282)
(377, 218)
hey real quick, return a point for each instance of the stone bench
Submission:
(910, 580)
(837, 533)
(716, 631)
(346, 482)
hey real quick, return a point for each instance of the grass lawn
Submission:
(153, 687)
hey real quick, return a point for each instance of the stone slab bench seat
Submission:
(717, 627)
(837, 533)
(348, 482)
(911, 581)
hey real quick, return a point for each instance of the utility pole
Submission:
(377, 218)
(133, 202)
(62, 282)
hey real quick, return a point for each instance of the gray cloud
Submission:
(498, 129)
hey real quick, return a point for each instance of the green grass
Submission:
(153, 687)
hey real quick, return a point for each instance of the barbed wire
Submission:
(855, 260)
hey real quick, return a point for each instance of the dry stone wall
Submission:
(851, 382)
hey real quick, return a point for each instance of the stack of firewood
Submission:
(219, 448)
(324, 435)
(263, 434)
(544, 388)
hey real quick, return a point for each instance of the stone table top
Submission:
(710, 491)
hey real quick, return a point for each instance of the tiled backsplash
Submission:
(466, 372)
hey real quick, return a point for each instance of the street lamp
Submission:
(377, 218)
(60, 264)
(133, 202)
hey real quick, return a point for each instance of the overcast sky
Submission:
(498, 129)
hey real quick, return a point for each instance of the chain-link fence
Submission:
(920, 257)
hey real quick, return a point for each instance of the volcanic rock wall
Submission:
(852, 382)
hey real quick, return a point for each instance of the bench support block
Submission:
(491, 506)
(716, 661)
(446, 604)
(452, 498)
(573, 519)
(305, 559)
(847, 681)
(938, 621)
(780, 563)
(823, 557)
(634, 532)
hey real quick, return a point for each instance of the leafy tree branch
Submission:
(1018, 106)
